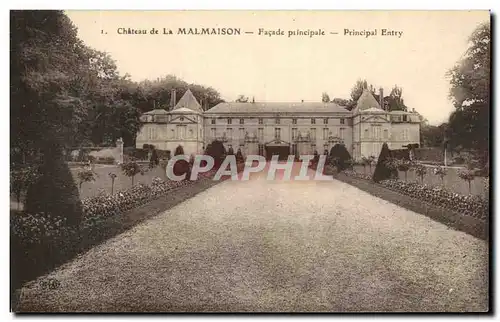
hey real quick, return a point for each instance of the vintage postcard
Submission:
(250, 161)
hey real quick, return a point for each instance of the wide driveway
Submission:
(276, 246)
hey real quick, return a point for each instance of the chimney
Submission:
(172, 99)
(302, 101)
(253, 99)
(381, 98)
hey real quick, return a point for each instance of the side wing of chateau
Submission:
(279, 128)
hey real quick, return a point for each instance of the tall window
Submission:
(367, 135)
(313, 134)
(181, 131)
(342, 121)
(277, 133)
(212, 132)
(230, 132)
(229, 120)
(313, 121)
(325, 134)
(325, 121)
(386, 134)
(342, 133)
(294, 121)
(277, 120)
(242, 133)
(294, 133)
(261, 134)
(213, 121)
(376, 132)
(242, 121)
(261, 149)
(261, 121)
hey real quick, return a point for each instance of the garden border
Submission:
(452, 219)
(111, 227)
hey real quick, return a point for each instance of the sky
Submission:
(291, 69)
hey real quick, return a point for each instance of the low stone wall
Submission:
(467, 224)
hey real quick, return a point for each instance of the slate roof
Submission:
(157, 111)
(276, 107)
(366, 101)
(188, 101)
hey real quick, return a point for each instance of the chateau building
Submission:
(279, 128)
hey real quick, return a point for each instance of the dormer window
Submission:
(213, 121)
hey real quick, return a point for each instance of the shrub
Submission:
(384, 169)
(339, 157)
(217, 151)
(154, 160)
(239, 156)
(181, 167)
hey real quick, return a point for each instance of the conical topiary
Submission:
(55, 192)
(217, 151)
(181, 167)
(384, 170)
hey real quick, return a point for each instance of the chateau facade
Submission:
(280, 128)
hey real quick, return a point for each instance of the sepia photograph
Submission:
(220, 161)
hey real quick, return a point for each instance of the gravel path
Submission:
(276, 246)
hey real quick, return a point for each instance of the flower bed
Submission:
(469, 205)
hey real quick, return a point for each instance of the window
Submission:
(342, 133)
(367, 135)
(261, 134)
(152, 134)
(212, 132)
(181, 118)
(342, 121)
(230, 132)
(294, 121)
(405, 118)
(277, 121)
(242, 133)
(261, 121)
(294, 133)
(229, 120)
(213, 121)
(261, 149)
(325, 134)
(313, 121)
(172, 133)
(242, 121)
(181, 131)
(313, 146)
(277, 133)
(386, 134)
(313, 134)
(376, 132)
(325, 121)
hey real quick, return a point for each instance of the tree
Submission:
(420, 171)
(131, 169)
(440, 172)
(241, 99)
(395, 100)
(217, 151)
(432, 136)
(325, 98)
(85, 175)
(470, 93)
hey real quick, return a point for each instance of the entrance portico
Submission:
(279, 148)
